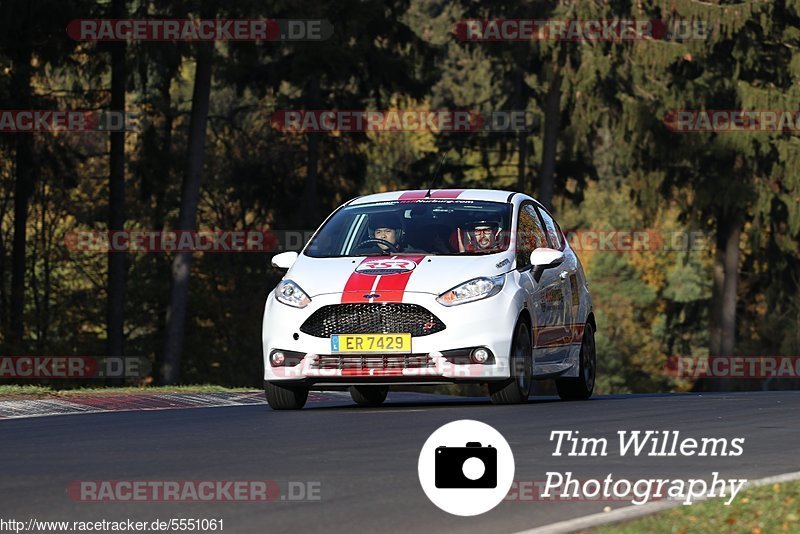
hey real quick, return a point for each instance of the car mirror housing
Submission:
(284, 260)
(546, 257)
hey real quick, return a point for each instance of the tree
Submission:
(747, 62)
(23, 189)
(187, 221)
(27, 56)
(117, 268)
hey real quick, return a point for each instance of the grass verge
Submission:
(770, 508)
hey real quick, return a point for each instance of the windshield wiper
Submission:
(367, 254)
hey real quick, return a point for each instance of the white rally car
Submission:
(430, 287)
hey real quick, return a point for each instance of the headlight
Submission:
(290, 294)
(475, 289)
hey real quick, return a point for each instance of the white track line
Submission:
(634, 512)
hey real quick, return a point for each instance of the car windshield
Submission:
(427, 226)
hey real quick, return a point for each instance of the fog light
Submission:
(480, 355)
(277, 358)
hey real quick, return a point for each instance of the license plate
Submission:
(371, 343)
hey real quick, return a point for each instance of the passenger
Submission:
(480, 236)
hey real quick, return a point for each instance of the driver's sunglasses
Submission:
(483, 230)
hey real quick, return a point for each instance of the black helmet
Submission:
(385, 220)
(483, 223)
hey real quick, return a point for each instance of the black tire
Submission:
(581, 388)
(369, 395)
(285, 397)
(516, 389)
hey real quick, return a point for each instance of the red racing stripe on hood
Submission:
(357, 285)
(391, 288)
(418, 195)
(361, 287)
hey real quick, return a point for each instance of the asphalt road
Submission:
(365, 460)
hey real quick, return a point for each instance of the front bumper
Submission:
(485, 323)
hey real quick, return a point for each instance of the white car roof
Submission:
(492, 195)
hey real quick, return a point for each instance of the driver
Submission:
(480, 236)
(386, 227)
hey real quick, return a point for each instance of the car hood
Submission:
(391, 276)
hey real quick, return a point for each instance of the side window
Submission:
(553, 233)
(530, 235)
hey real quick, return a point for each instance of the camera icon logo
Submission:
(466, 467)
(472, 466)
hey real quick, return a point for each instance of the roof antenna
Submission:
(436, 176)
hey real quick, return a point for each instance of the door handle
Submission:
(563, 275)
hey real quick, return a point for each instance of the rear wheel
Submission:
(369, 395)
(581, 388)
(285, 397)
(518, 387)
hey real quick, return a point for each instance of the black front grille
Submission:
(373, 361)
(388, 318)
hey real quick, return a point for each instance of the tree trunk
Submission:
(730, 288)
(187, 220)
(311, 215)
(117, 268)
(160, 190)
(160, 186)
(522, 135)
(23, 189)
(552, 127)
(722, 317)
(3, 293)
(715, 313)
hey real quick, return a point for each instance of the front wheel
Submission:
(285, 397)
(581, 388)
(517, 388)
(369, 395)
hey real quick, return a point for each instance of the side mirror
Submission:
(546, 257)
(284, 260)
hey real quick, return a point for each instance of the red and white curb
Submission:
(16, 409)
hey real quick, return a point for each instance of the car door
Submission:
(568, 278)
(544, 289)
